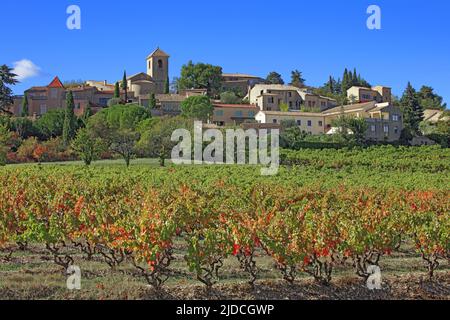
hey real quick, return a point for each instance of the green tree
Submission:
(167, 86)
(412, 110)
(117, 91)
(428, 99)
(292, 138)
(123, 142)
(69, 119)
(25, 111)
(152, 101)
(87, 113)
(201, 76)
(284, 107)
(274, 78)
(51, 123)
(197, 107)
(7, 78)
(125, 86)
(331, 84)
(157, 140)
(355, 81)
(87, 147)
(297, 79)
(5, 140)
(346, 82)
(229, 97)
(352, 129)
(23, 127)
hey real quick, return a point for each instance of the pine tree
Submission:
(69, 119)
(87, 113)
(25, 110)
(152, 101)
(355, 78)
(345, 82)
(125, 86)
(117, 91)
(331, 84)
(167, 86)
(412, 110)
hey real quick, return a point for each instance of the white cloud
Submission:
(25, 69)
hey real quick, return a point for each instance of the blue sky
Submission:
(320, 38)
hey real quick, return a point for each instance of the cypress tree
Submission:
(355, 78)
(25, 110)
(412, 110)
(167, 86)
(125, 85)
(331, 84)
(117, 90)
(152, 101)
(345, 82)
(69, 119)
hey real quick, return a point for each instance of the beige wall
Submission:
(384, 125)
(378, 93)
(308, 122)
(233, 115)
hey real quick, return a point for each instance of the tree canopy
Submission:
(7, 78)
(197, 107)
(201, 76)
(274, 78)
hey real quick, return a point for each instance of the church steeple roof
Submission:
(158, 53)
(56, 83)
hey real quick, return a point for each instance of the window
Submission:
(386, 129)
(219, 113)
(238, 114)
(395, 117)
(299, 122)
(42, 109)
(320, 124)
(373, 128)
(396, 130)
(78, 105)
(309, 123)
(323, 104)
(290, 104)
(290, 94)
(270, 99)
(103, 101)
(251, 114)
(160, 64)
(274, 121)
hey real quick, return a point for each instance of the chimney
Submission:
(105, 82)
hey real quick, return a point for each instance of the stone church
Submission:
(154, 81)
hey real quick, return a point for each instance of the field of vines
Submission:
(327, 214)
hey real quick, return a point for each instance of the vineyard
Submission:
(326, 213)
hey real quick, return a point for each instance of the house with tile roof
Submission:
(384, 120)
(53, 96)
(270, 97)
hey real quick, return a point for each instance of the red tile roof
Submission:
(244, 106)
(56, 83)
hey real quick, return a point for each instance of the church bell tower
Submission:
(158, 68)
